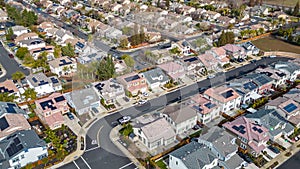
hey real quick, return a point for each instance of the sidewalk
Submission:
(281, 158)
(114, 137)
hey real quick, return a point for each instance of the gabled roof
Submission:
(194, 155)
(81, 99)
(287, 66)
(259, 79)
(10, 108)
(179, 113)
(155, 75)
(222, 94)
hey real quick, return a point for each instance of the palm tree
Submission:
(18, 76)
(242, 34)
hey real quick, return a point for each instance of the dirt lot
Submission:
(272, 44)
(282, 2)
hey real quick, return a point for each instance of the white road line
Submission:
(91, 149)
(98, 139)
(76, 165)
(126, 165)
(85, 163)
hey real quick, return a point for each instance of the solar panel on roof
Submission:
(242, 131)
(59, 99)
(236, 128)
(10, 108)
(198, 108)
(262, 80)
(290, 107)
(242, 127)
(3, 124)
(254, 128)
(131, 78)
(14, 148)
(227, 94)
(47, 104)
(210, 105)
(249, 85)
(17, 140)
(53, 80)
(34, 80)
(191, 59)
(259, 130)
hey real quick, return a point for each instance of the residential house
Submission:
(263, 82)
(193, 155)
(174, 70)
(36, 52)
(223, 145)
(159, 56)
(120, 66)
(205, 108)
(211, 15)
(293, 94)
(26, 36)
(155, 134)
(8, 86)
(226, 97)
(19, 30)
(71, 14)
(110, 90)
(43, 84)
(11, 123)
(272, 120)
(153, 36)
(251, 137)
(112, 33)
(3, 16)
(180, 117)
(234, 51)
(51, 109)
(62, 36)
(63, 66)
(250, 49)
(183, 46)
(292, 70)
(50, 32)
(22, 148)
(45, 25)
(225, 20)
(220, 54)
(11, 108)
(133, 83)
(278, 76)
(32, 43)
(155, 78)
(193, 65)
(83, 100)
(209, 61)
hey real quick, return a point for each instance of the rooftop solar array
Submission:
(262, 80)
(59, 99)
(42, 82)
(34, 80)
(197, 108)
(227, 94)
(3, 124)
(47, 104)
(210, 105)
(10, 108)
(250, 86)
(99, 86)
(131, 78)
(5, 90)
(64, 62)
(14, 147)
(54, 80)
(290, 107)
(240, 129)
(191, 59)
(80, 45)
(257, 129)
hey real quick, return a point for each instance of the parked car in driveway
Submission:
(124, 119)
(142, 102)
(70, 115)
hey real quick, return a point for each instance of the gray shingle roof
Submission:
(12, 108)
(155, 75)
(271, 119)
(259, 79)
(194, 155)
(180, 114)
(288, 66)
(81, 99)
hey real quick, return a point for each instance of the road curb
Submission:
(113, 136)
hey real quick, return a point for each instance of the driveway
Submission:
(9, 64)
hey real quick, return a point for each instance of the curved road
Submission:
(107, 156)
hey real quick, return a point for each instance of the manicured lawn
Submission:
(272, 44)
(282, 2)
(161, 164)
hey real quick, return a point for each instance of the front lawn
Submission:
(161, 164)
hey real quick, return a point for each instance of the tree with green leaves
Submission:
(9, 34)
(6, 97)
(30, 94)
(68, 50)
(167, 4)
(226, 38)
(57, 51)
(18, 76)
(261, 30)
(124, 43)
(21, 52)
(105, 69)
(296, 9)
(128, 60)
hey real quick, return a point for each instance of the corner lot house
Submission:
(234, 51)
(43, 84)
(251, 137)
(155, 78)
(8, 86)
(155, 134)
(289, 68)
(134, 83)
(21, 148)
(51, 109)
(110, 90)
(11, 108)
(83, 100)
(32, 43)
(279, 77)
(206, 109)
(63, 66)
(192, 155)
(226, 97)
(181, 118)
(263, 82)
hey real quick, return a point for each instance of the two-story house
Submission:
(206, 109)
(63, 66)
(9, 87)
(193, 65)
(220, 54)
(133, 83)
(183, 46)
(251, 137)
(209, 61)
(174, 70)
(21, 148)
(263, 82)
(110, 90)
(19, 30)
(278, 76)
(43, 84)
(193, 155)
(289, 68)
(226, 97)
(180, 117)
(155, 134)
(51, 109)
(26, 36)
(32, 43)
(235, 51)
(155, 78)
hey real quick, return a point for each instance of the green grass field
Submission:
(272, 44)
(291, 3)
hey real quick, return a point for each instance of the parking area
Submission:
(72, 124)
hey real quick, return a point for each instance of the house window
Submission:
(42, 156)
(15, 159)
(22, 156)
(176, 162)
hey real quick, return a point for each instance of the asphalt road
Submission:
(9, 64)
(100, 151)
(292, 163)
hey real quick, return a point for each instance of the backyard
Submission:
(273, 44)
(291, 3)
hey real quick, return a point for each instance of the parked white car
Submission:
(124, 119)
